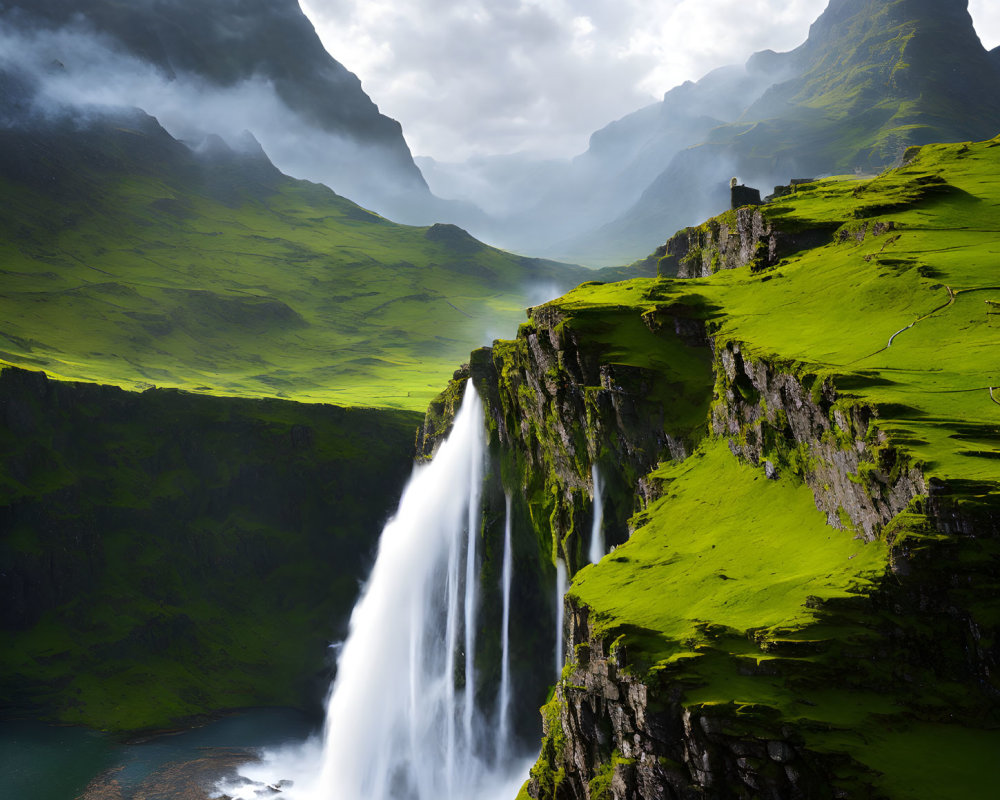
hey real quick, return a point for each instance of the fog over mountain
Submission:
(222, 68)
(871, 79)
(230, 66)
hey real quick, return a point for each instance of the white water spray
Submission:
(397, 727)
(597, 546)
(561, 586)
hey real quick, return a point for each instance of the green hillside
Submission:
(932, 280)
(735, 593)
(127, 259)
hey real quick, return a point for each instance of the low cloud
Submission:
(76, 68)
(480, 77)
(484, 78)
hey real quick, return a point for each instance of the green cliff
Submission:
(167, 555)
(801, 449)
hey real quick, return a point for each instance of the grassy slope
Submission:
(758, 604)
(152, 268)
(835, 309)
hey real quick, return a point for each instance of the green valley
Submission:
(128, 260)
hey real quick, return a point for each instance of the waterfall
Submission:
(597, 546)
(503, 711)
(561, 585)
(397, 726)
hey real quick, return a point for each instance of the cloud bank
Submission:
(484, 77)
(76, 68)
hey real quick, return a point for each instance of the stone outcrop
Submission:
(744, 237)
(729, 241)
(772, 417)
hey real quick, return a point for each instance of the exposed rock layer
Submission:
(615, 730)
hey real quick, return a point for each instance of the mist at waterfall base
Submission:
(397, 726)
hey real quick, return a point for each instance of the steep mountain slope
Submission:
(872, 78)
(168, 57)
(128, 258)
(800, 460)
(622, 156)
(536, 206)
(229, 41)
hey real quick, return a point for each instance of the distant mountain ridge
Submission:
(873, 77)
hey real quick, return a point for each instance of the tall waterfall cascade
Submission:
(402, 719)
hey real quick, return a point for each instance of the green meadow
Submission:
(177, 273)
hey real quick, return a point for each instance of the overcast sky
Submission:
(499, 76)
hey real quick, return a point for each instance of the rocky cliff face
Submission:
(748, 236)
(611, 734)
(559, 400)
(780, 421)
(540, 387)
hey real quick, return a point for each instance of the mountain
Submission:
(873, 78)
(796, 463)
(134, 259)
(219, 67)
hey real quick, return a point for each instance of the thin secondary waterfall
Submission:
(476, 457)
(503, 712)
(561, 586)
(397, 725)
(597, 545)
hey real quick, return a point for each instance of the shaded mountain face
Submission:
(874, 77)
(220, 67)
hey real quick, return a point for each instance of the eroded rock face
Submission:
(740, 238)
(623, 738)
(727, 242)
(772, 418)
